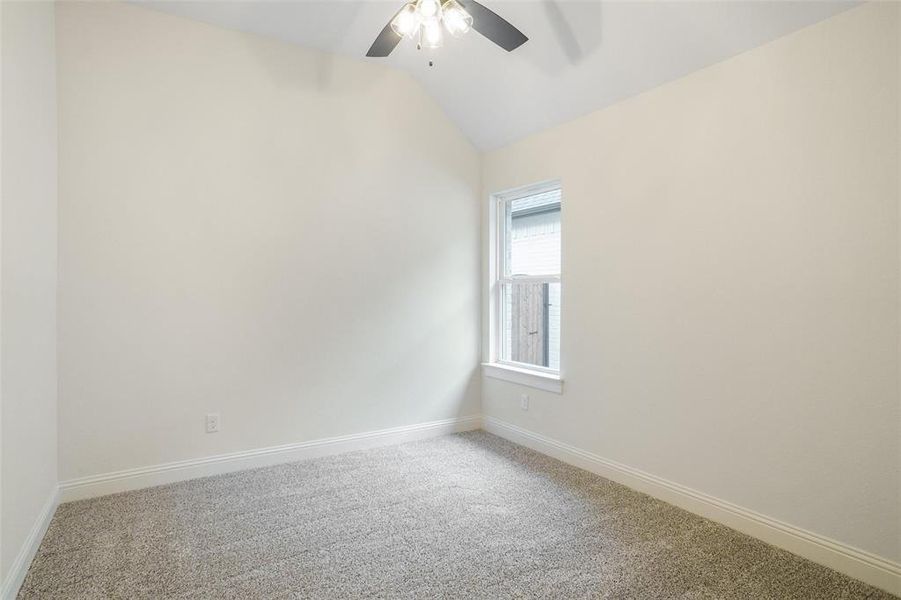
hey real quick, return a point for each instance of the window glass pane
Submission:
(533, 235)
(530, 324)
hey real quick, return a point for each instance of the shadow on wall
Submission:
(276, 26)
(314, 69)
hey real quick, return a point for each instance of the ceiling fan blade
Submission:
(494, 27)
(386, 41)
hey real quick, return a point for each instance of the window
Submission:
(526, 291)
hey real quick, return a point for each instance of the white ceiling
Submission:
(581, 56)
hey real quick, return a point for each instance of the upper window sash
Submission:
(504, 225)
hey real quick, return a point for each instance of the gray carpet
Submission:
(463, 516)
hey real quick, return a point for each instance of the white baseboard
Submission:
(19, 568)
(862, 565)
(142, 477)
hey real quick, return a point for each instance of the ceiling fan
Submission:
(426, 20)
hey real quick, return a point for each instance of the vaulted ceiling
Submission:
(581, 55)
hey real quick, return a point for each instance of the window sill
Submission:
(536, 379)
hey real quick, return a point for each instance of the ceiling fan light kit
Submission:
(423, 19)
(426, 21)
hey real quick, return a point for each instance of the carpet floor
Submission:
(462, 516)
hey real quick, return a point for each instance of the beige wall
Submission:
(285, 237)
(731, 271)
(27, 273)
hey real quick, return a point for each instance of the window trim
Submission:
(525, 374)
(549, 382)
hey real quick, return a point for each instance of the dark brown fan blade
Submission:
(385, 42)
(494, 27)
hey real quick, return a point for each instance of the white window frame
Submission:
(521, 373)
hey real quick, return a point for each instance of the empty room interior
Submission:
(450, 299)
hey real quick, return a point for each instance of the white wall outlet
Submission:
(212, 423)
(524, 402)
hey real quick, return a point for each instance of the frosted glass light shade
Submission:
(456, 20)
(428, 8)
(432, 36)
(406, 22)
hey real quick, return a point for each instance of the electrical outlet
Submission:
(212, 423)
(524, 402)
